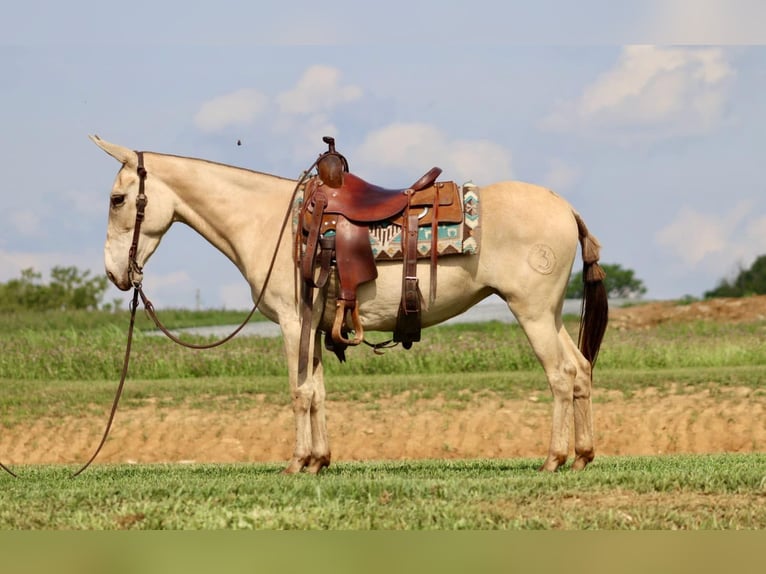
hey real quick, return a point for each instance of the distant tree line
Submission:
(619, 283)
(68, 288)
(71, 288)
(622, 283)
(750, 281)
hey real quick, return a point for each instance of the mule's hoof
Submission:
(552, 463)
(580, 462)
(296, 465)
(317, 463)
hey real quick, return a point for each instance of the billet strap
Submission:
(312, 242)
(410, 292)
(434, 245)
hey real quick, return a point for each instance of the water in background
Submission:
(491, 309)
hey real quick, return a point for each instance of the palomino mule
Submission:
(529, 238)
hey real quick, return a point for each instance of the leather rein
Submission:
(135, 275)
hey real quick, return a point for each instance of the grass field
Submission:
(673, 492)
(68, 365)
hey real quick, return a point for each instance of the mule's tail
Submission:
(594, 314)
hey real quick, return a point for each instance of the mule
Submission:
(529, 240)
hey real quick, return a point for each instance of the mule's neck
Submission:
(237, 210)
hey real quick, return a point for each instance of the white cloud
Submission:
(712, 241)
(236, 295)
(415, 147)
(303, 112)
(652, 92)
(26, 223)
(318, 90)
(561, 176)
(87, 204)
(305, 133)
(710, 22)
(242, 107)
(164, 280)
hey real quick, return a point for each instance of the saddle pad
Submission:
(453, 238)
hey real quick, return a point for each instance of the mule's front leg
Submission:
(302, 392)
(320, 444)
(301, 399)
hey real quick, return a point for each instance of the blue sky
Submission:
(650, 120)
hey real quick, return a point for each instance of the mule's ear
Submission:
(122, 154)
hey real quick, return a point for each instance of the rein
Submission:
(135, 274)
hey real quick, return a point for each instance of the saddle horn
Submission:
(331, 165)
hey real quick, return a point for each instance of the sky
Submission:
(648, 117)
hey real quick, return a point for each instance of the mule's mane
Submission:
(218, 165)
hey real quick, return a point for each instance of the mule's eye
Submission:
(117, 200)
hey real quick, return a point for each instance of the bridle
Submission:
(135, 272)
(135, 276)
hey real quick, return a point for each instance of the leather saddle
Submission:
(333, 232)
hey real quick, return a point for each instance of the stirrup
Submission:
(340, 317)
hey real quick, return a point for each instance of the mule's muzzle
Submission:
(116, 283)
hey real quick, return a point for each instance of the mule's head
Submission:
(122, 215)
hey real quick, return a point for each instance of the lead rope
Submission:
(135, 270)
(123, 376)
(149, 308)
(8, 470)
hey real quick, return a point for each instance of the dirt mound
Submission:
(645, 315)
(727, 420)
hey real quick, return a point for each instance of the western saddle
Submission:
(334, 223)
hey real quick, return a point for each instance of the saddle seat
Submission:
(365, 202)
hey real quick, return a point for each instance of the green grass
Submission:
(56, 365)
(12, 322)
(671, 492)
(63, 369)
(82, 351)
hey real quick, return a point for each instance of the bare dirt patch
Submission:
(733, 420)
(730, 310)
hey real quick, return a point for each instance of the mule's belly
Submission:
(456, 291)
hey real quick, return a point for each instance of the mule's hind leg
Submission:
(320, 444)
(560, 371)
(583, 417)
